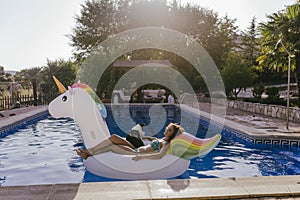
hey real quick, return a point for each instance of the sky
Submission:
(32, 31)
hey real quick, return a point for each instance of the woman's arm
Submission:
(153, 156)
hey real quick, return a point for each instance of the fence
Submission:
(9, 102)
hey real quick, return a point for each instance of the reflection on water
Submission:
(41, 153)
(234, 159)
(44, 153)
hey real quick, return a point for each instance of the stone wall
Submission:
(268, 110)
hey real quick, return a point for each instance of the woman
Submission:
(155, 150)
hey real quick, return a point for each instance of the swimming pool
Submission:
(44, 153)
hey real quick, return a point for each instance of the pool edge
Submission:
(21, 119)
(283, 187)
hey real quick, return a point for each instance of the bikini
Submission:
(155, 145)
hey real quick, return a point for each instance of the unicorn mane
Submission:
(94, 96)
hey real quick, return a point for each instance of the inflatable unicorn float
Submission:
(80, 103)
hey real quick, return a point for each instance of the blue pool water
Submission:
(44, 153)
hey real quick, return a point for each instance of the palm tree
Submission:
(283, 25)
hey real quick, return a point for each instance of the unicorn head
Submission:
(79, 102)
(63, 105)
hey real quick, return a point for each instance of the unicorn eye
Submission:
(64, 98)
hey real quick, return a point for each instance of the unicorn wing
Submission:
(188, 146)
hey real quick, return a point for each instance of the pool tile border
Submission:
(277, 142)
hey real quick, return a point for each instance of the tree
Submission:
(236, 76)
(250, 44)
(94, 24)
(99, 19)
(249, 50)
(150, 13)
(224, 42)
(4, 77)
(283, 25)
(33, 76)
(102, 18)
(64, 71)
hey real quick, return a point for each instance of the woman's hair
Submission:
(177, 130)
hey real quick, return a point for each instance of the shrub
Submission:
(272, 92)
(258, 91)
(275, 101)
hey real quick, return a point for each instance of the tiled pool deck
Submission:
(260, 129)
(257, 129)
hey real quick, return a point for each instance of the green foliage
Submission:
(101, 18)
(273, 96)
(275, 101)
(236, 76)
(31, 76)
(258, 91)
(282, 25)
(272, 92)
(96, 22)
(250, 44)
(223, 42)
(5, 77)
(272, 32)
(249, 49)
(64, 71)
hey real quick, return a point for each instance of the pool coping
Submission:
(256, 135)
(17, 118)
(283, 187)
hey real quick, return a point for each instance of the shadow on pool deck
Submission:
(257, 126)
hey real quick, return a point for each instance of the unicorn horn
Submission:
(60, 86)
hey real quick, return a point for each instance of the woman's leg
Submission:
(101, 145)
(120, 141)
(83, 153)
(120, 149)
(114, 139)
